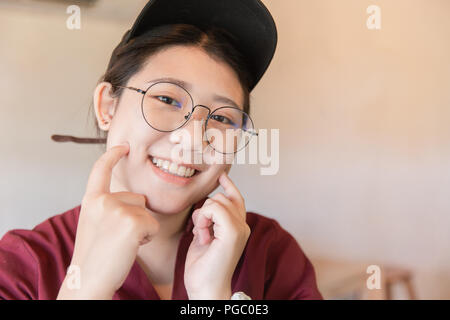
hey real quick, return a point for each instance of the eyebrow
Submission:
(188, 86)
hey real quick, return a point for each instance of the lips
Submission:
(163, 171)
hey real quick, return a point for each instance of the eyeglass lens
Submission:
(167, 106)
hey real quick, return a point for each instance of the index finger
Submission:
(231, 191)
(100, 178)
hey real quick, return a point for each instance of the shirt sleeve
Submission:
(290, 275)
(18, 274)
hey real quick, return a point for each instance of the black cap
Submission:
(248, 21)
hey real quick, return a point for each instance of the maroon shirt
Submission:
(33, 263)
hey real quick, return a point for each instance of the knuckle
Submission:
(211, 202)
(122, 213)
(103, 201)
(142, 198)
(97, 203)
(129, 222)
(219, 195)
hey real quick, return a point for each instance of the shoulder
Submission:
(56, 231)
(267, 229)
(27, 255)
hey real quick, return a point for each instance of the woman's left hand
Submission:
(220, 235)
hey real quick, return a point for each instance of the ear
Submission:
(104, 105)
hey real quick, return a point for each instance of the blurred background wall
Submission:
(363, 116)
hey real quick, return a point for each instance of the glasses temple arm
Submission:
(132, 88)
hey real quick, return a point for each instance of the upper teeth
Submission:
(173, 168)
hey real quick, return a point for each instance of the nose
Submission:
(191, 135)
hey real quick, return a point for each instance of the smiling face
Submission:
(206, 79)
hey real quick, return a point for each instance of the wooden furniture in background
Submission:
(348, 280)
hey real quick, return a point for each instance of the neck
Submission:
(171, 227)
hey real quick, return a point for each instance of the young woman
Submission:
(146, 228)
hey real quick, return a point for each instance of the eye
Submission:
(169, 100)
(222, 119)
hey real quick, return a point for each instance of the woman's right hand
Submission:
(111, 227)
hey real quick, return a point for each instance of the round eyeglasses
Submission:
(167, 106)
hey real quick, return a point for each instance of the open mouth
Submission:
(173, 169)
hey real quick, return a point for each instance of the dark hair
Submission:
(128, 58)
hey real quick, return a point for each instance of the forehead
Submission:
(205, 76)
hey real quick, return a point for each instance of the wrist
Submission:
(210, 295)
(82, 292)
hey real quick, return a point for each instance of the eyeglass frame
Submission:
(144, 92)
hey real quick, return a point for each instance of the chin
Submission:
(165, 206)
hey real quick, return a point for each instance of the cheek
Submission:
(143, 141)
(125, 124)
(134, 128)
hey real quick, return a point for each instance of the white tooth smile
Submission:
(173, 168)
